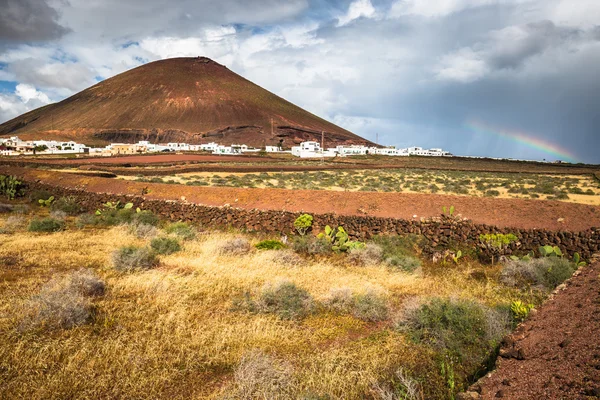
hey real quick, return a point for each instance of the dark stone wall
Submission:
(440, 233)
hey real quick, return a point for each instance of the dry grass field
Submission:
(222, 319)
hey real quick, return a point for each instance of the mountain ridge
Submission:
(195, 100)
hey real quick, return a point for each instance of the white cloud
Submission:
(28, 93)
(357, 9)
(463, 66)
(442, 8)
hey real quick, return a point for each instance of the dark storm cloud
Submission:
(412, 71)
(28, 20)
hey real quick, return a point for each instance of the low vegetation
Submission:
(131, 258)
(581, 188)
(116, 317)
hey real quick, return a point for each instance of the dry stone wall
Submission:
(440, 233)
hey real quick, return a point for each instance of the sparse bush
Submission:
(63, 302)
(234, 247)
(143, 231)
(12, 224)
(399, 251)
(261, 376)
(58, 214)
(84, 220)
(286, 300)
(68, 205)
(165, 245)
(492, 193)
(181, 229)
(287, 258)
(465, 329)
(400, 387)
(371, 254)
(145, 217)
(405, 263)
(46, 225)
(269, 245)
(369, 306)
(311, 245)
(546, 273)
(130, 258)
(86, 282)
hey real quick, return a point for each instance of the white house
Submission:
(312, 150)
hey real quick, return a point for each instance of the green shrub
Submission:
(46, 225)
(520, 310)
(285, 300)
(269, 245)
(129, 258)
(464, 329)
(181, 229)
(165, 245)
(545, 273)
(303, 223)
(492, 193)
(497, 240)
(68, 205)
(144, 217)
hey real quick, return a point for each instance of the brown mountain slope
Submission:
(180, 99)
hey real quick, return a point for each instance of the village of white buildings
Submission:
(14, 146)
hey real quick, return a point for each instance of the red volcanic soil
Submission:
(557, 350)
(514, 213)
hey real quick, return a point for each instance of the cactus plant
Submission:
(10, 186)
(47, 202)
(550, 251)
(339, 239)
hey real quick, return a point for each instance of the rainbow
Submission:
(533, 142)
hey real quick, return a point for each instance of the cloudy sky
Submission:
(504, 78)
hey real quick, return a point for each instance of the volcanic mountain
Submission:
(194, 100)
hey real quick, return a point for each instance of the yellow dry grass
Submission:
(170, 332)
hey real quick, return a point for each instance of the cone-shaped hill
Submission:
(194, 100)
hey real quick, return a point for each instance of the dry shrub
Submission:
(400, 387)
(143, 231)
(58, 214)
(370, 306)
(13, 224)
(64, 302)
(287, 258)
(261, 376)
(371, 254)
(234, 247)
(130, 258)
(286, 300)
(543, 273)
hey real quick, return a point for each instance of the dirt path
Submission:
(556, 353)
(516, 213)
